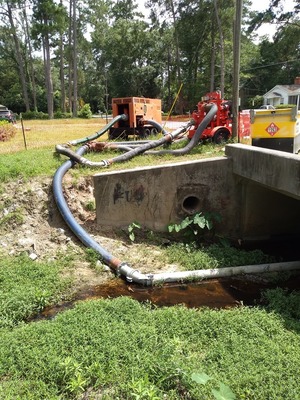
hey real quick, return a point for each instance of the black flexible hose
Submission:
(195, 139)
(149, 145)
(123, 117)
(132, 152)
(82, 235)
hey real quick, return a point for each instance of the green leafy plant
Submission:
(223, 393)
(131, 228)
(195, 225)
(74, 377)
(42, 298)
(142, 389)
(60, 114)
(34, 115)
(92, 257)
(216, 255)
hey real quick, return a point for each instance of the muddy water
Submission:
(216, 293)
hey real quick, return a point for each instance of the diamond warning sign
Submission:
(272, 129)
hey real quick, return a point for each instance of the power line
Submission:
(271, 65)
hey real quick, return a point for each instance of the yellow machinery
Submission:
(139, 110)
(277, 129)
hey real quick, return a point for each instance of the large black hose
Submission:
(132, 152)
(82, 235)
(123, 117)
(149, 145)
(195, 139)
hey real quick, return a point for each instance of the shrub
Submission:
(7, 131)
(85, 111)
(61, 115)
(279, 106)
(34, 115)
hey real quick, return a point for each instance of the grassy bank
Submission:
(120, 349)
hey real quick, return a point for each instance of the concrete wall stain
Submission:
(135, 195)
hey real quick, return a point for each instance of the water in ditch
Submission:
(213, 293)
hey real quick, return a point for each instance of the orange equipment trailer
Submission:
(139, 111)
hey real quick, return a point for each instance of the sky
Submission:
(258, 5)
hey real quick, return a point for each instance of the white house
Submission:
(284, 94)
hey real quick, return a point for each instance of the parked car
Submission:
(267, 107)
(6, 114)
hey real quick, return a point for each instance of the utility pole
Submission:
(236, 67)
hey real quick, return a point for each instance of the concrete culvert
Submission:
(191, 204)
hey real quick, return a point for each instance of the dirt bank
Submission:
(31, 223)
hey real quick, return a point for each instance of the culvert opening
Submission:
(191, 204)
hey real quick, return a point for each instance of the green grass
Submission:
(213, 256)
(28, 164)
(27, 287)
(47, 133)
(124, 350)
(40, 157)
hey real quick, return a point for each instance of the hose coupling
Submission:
(96, 146)
(130, 274)
(124, 117)
(149, 281)
(123, 268)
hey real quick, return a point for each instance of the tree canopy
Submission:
(58, 55)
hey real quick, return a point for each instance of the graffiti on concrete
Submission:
(135, 195)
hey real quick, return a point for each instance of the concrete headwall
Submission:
(160, 195)
(255, 190)
(276, 170)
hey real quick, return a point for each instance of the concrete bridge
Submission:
(255, 190)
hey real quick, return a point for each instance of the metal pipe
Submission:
(134, 275)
